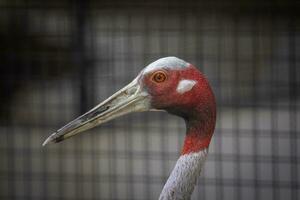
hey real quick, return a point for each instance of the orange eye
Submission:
(159, 76)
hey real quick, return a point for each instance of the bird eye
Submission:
(159, 77)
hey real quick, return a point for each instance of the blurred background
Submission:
(60, 58)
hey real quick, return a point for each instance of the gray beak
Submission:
(131, 98)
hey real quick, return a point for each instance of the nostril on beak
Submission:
(103, 109)
(96, 113)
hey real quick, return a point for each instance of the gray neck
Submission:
(181, 183)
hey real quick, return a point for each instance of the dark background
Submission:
(60, 58)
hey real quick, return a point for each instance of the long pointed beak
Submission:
(131, 98)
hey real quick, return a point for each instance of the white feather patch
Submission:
(183, 178)
(185, 85)
(167, 62)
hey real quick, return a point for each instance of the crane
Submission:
(168, 84)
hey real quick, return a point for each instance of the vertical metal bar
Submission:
(274, 113)
(293, 136)
(79, 51)
(80, 61)
(237, 106)
(218, 140)
(255, 100)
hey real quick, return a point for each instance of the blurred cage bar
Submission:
(60, 58)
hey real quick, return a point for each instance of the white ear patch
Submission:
(185, 85)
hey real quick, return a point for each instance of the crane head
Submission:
(168, 84)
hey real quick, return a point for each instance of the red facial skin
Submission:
(197, 106)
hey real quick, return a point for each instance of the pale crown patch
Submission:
(185, 85)
(170, 62)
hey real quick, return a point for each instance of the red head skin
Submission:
(197, 106)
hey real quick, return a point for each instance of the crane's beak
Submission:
(131, 98)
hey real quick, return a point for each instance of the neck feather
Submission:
(198, 135)
(181, 183)
(183, 178)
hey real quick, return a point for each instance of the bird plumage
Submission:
(172, 85)
(183, 177)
